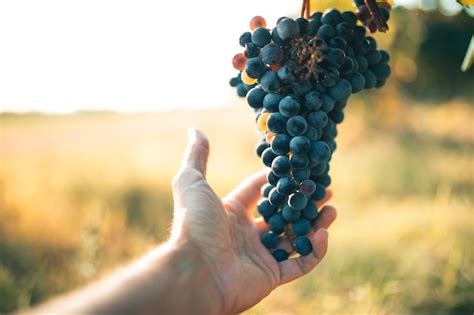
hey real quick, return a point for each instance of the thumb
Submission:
(194, 162)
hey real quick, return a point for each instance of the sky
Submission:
(61, 56)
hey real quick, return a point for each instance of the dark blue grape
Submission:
(255, 68)
(336, 57)
(370, 79)
(276, 123)
(296, 125)
(313, 27)
(290, 215)
(272, 54)
(278, 40)
(316, 16)
(286, 186)
(380, 83)
(382, 71)
(300, 145)
(261, 146)
(270, 239)
(385, 56)
(301, 226)
(310, 212)
(299, 161)
(348, 67)
(245, 38)
(242, 89)
(349, 17)
(288, 28)
(320, 151)
(326, 31)
(301, 88)
(276, 199)
(361, 47)
(319, 193)
(344, 29)
(303, 25)
(255, 97)
(341, 91)
(372, 42)
(265, 208)
(357, 81)
(330, 77)
(373, 57)
(261, 36)
(363, 64)
(285, 74)
(317, 119)
(270, 82)
(281, 144)
(300, 174)
(289, 106)
(277, 223)
(319, 169)
(281, 166)
(251, 50)
(359, 31)
(271, 101)
(302, 245)
(268, 156)
(324, 180)
(312, 134)
(272, 179)
(331, 17)
(337, 42)
(297, 201)
(280, 255)
(233, 82)
(312, 101)
(328, 103)
(265, 190)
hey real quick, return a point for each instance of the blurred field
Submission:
(83, 193)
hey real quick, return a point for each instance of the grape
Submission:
(265, 208)
(296, 125)
(290, 215)
(272, 54)
(277, 123)
(261, 36)
(256, 22)
(286, 186)
(288, 28)
(298, 77)
(239, 61)
(301, 226)
(266, 189)
(312, 101)
(270, 82)
(271, 101)
(245, 38)
(255, 67)
(268, 156)
(307, 187)
(299, 161)
(281, 144)
(310, 212)
(302, 245)
(289, 106)
(255, 97)
(261, 146)
(270, 239)
(262, 120)
(299, 144)
(280, 255)
(277, 223)
(281, 166)
(297, 201)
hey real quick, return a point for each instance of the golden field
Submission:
(84, 193)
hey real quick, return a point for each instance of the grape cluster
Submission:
(298, 78)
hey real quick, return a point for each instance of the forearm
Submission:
(169, 280)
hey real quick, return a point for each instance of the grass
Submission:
(84, 193)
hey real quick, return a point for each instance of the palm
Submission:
(227, 235)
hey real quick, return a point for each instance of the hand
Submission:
(227, 237)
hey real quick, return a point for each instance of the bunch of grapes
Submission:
(298, 78)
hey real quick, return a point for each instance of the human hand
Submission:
(227, 237)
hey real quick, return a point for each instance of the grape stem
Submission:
(306, 9)
(376, 15)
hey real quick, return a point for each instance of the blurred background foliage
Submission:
(83, 193)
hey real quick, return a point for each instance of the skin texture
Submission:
(213, 262)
